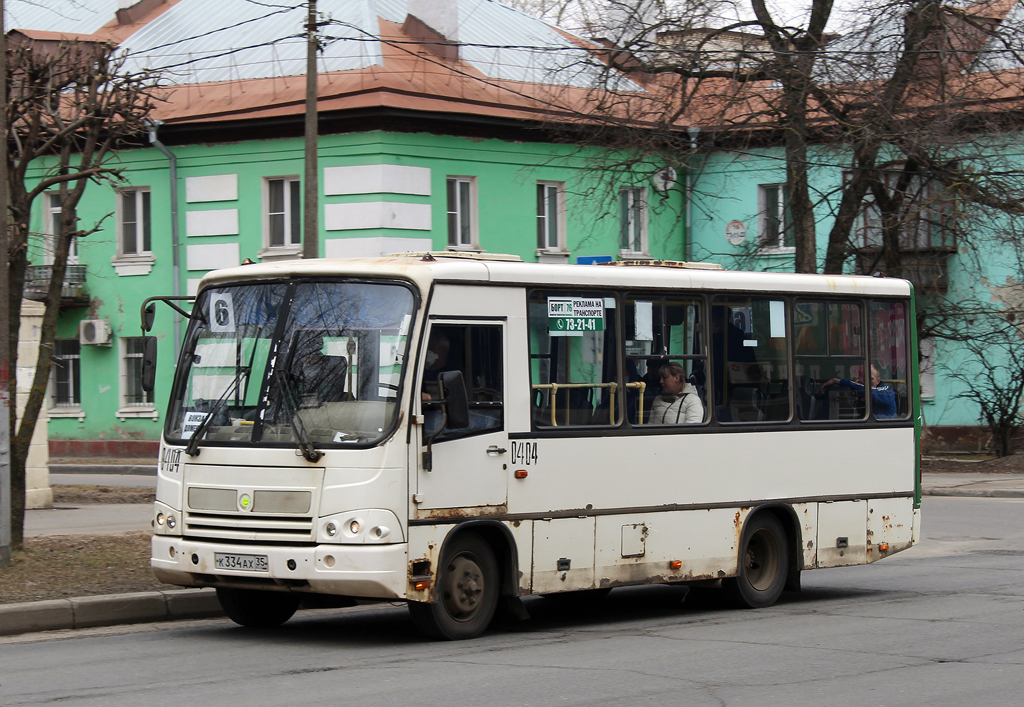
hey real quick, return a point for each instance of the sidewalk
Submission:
(143, 607)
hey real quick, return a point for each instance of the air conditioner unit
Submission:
(94, 332)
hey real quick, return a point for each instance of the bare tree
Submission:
(893, 102)
(69, 106)
(992, 373)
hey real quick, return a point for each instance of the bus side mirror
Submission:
(149, 364)
(148, 315)
(454, 399)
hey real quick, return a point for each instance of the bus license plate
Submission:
(254, 563)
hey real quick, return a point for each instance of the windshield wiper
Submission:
(193, 442)
(288, 398)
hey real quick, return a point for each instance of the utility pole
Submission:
(310, 183)
(5, 354)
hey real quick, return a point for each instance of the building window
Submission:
(776, 232)
(284, 212)
(924, 210)
(551, 216)
(134, 221)
(633, 221)
(927, 368)
(132, 394)
(67, 391)
(51, 227)
(461, 212)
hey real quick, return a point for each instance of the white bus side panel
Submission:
(563, 554)
(738, 468)
(891, 521)
(842, 533)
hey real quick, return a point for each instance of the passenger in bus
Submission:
(883, 397)
(678, 403)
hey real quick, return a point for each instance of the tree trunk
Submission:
(16, 283)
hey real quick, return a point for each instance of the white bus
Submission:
(459, 431)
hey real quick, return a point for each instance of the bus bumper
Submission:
(370, 571)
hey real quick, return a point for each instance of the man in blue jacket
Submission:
(883, 397)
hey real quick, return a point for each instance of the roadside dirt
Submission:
(58, 567)
(977, 463)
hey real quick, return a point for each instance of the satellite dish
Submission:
(664, 179)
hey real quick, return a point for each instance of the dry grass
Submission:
(61, 566)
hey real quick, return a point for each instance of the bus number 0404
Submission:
(524, 453)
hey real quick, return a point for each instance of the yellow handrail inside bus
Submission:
(613, 386)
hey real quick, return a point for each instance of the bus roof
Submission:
(423, 269)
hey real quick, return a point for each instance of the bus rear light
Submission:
(675, 564)
(521, 473)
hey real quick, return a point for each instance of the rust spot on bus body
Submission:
(456, 513)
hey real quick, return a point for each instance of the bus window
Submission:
(475, 350)
(829, 347)
(890, 394)
(750, 374)
(661, 331)
(573, 359)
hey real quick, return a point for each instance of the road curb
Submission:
(977, 493)
(109, 610)
(144, 469)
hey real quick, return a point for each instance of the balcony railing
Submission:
(925, 267)
(72, 293)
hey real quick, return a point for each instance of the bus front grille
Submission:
(249, 527)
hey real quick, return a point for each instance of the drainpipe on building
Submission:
(693, 131)
(154, 125)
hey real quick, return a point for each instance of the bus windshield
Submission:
(290, 363)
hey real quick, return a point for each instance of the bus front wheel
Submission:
(257, 609)
(467, 592)
(763, 564)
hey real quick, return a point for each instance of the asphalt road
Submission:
(938, 625)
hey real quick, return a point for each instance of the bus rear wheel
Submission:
(763, 564)
(467, 592)
(258, 609)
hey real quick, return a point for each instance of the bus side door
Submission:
(467, 465)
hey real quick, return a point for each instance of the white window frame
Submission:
(633, 221)
(51, 226)
(292, 246)
(551, 215)
(128, 408)
(465, 200)
(927, 368)
(141, 261)
(74, 408)
(777, 244)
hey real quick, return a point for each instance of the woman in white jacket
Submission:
(678, 403)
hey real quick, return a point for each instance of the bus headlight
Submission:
(165, 520)
(360, 527)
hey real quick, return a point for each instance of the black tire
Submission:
(466, 592)
(257, 609)
(763, 564)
